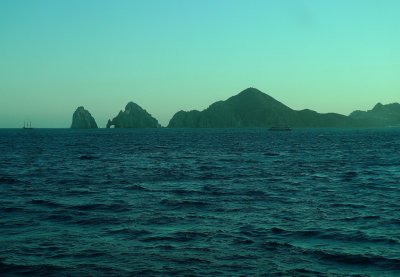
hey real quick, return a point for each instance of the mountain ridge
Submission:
(253, 108)
(379, 115)
(250, 108)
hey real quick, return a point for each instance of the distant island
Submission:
(250, 108)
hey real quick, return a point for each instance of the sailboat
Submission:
(27, 125)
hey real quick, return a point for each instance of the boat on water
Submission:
(280, 128)
(27, 125)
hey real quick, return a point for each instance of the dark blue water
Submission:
(200, 202)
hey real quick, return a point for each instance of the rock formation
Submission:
(82, 119)
(253, 108)
(133, 117)
(379, 116)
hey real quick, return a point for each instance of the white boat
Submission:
(27, 125)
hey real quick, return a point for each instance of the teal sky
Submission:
(169, 55)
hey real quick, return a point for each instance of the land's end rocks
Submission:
(82, 119)
(253, 108)
(134, 116)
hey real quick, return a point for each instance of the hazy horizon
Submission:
(168, 56)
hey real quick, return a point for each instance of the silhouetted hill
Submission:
(82, 119)
(133, 117)
(379, 116)
(253, 108)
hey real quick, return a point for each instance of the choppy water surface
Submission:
(200, 202)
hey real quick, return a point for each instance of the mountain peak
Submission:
(132, 106)
(252, 98)
(248, 108)
(255, 94)
(378, 106)
(250, 91)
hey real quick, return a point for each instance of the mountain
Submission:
(133, 117)
(379, 116)
(253, 108)
(82, 119)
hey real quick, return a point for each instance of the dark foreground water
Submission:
(200, 202)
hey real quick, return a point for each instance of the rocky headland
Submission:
(380, 116)
(252, 108)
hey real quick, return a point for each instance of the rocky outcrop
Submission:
(133, 117)
(380, 116)
(82, 119)
(253, 108)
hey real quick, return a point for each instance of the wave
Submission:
(131, 233)
(11, 269)
(303, 272)
(184, 203)
(46, 203)
(93, 221)
(87, 157)
(349, 176)
(187, 261)
(342, 258)
(358, 259)
(183, 191)
(7, 180)
(394, 221)
(179, 237)
(243, 241)
(14, 269)
(60, 217)
(212, 176)
(190, 235)
(12, 209)
(335, 235)
(348, 205)
(136, 187)
(213, 190)
(112, 207)
(271, 154)
(255, 193)
(162, 220)
(366, 217)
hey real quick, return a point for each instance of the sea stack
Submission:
(134, 116)
(82, 119)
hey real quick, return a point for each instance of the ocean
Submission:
(200, 202)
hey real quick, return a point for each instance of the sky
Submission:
(171, 55)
